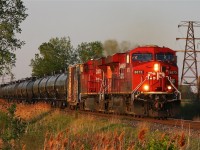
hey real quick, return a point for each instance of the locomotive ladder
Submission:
(174, 87)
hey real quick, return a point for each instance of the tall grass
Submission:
(37, 131)
(29, 112)
(61, 131)
(58, 130)
(92, 133)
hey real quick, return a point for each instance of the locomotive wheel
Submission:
(81, 105)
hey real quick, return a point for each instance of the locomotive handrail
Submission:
(102, 89)
(133, 92)
(174, 86)
(102, 84)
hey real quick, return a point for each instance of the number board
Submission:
(138, 72)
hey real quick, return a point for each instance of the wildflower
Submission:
(65, 142)
(141, 134)
(182, 140)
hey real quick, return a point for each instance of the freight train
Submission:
(140, 82)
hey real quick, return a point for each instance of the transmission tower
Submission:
(189, 71)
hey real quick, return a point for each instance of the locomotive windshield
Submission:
(142, 57)
(165, 57)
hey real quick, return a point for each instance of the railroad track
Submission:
(181, 123)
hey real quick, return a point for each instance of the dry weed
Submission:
(1, 143)
(28, 112)
(142, 130)
(4, 105)
(182, 140)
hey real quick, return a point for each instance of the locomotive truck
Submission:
(140, 82)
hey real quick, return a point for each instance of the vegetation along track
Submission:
(181, 123)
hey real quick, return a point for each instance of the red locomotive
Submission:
(141, 82)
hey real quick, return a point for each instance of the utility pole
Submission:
(189, 74)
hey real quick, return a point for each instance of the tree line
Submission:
(58, 53)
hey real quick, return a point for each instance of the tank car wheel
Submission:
(71, 107)
(53, 104)
(63, 105)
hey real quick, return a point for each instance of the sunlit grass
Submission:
(28, 112)
(54, 129)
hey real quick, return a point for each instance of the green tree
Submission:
(12, 13)
(55, 55)
(12, 128)
(91, 50)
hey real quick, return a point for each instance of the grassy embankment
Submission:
(58, 130)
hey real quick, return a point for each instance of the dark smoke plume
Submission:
(113, 46)
(110, 47)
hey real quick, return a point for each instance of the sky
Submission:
(140, 22)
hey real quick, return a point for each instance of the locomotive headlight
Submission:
(156, 67)
(169, 87)
(146, 87)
